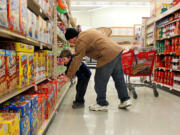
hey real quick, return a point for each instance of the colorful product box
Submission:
(11, 70)
(13, 14)
(48, 55)
(11, 121)
(23, 16)
(34, 31)
(30, 61)
(36, 66)
(29, 23)
(22, 69)
(22, 107)
(33, 100)
(43, 64)
(3, 83)
(3, 129)
(3, 13)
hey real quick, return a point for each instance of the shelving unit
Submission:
(18, 37)
(149, 32)
(167, 49)
(18, 91)
(8, 35)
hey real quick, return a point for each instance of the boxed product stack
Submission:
(48, 62)
(23, 54)
(21, 107)
(33, 100)
(23, 16)
(3, 13)
(11, 70)
(3, 83)
(164, 77)
(9, 123)
(13, 14)
(50, 91)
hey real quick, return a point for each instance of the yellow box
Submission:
(30, 61)
(3, 129)
(21, 47)
(11, 120)
(36, 66)
(48, 67)
(23, 69)
(43, 65)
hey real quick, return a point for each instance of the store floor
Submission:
(147, 116)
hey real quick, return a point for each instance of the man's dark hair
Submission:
(66, 53)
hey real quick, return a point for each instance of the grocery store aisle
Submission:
(147, 116)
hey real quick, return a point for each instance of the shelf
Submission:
(148, 33)
(18, 37)
(16, 92)
(164, 85)
(150, 22)
(168, 12)
(35, 8)
(167, 86)
(168, 23)
(167, 69)
(169, 37)
(47, 122)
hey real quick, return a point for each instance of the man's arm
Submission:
(76, 62)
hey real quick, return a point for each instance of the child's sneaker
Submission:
(77, 105)
(97, 107)
(125, 104)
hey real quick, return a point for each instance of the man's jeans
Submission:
(102, 75)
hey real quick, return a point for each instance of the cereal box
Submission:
(3, 13)
(29, 48)
(30, 61)
(47, 62)
(23, 16)
(3, 83)
(13, 14)
(3, 129)
(11, 69)
(22, 69)
(22, 107)
(34, 26)
(33, 100)
(36, 68)
(11, 121)
(29, 23)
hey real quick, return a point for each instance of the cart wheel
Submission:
(156, 94)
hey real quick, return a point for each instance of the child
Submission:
(83, 75)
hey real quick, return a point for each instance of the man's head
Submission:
(66, 56)
(71, 35)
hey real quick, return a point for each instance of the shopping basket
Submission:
(139, 62)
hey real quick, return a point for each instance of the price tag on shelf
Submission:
(40, 10)
(40, 131)
(41, 46)
(35, 86)
(20, 91)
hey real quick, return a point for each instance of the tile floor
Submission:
(147, 116)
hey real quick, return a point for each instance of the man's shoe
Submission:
(125, 104)
(77, 105)
(97, 107)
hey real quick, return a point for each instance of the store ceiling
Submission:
(90, 5)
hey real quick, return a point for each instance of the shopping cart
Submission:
(139, 62)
